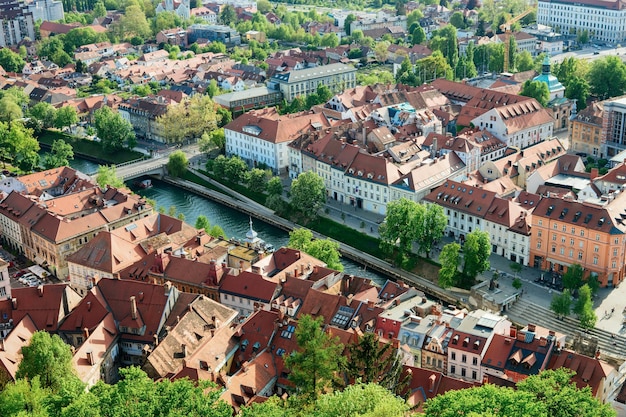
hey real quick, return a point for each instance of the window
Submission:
(555, 226)
(582, 233)
(474, 361)
(571, 242)
(538, 245)
(540, 222)
(474, 375)
(553, 249)
(562, 251)
(464, 358)
(580, 255)
(573, 230)
(564, 228)
(463, 371)
(614, 251)
(453, 356)
(595, 260)
(554, 237)
(571, 253)
(596, 249)
(597, 237)
(453, 369)
(539, 233)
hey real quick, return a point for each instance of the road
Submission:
(589, 53)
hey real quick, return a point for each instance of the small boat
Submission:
(144, 183)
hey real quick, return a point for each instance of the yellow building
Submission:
(255, 35)
(586, 130)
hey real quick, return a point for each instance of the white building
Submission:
(337, 77)
(50, 10)
(520, 125)
(603, 20)
(16, 22)
(181, 8)
(261, 136)
(5, 282)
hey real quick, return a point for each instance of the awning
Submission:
(39, 260)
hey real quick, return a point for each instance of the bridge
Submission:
(153, 166)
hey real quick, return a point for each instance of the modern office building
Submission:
(337, 77)
(604, 20)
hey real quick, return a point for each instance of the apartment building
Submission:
(337, 77)
(143, 114)
(586, 130)
(46, 10)
(262, 136)
(603, 20)
(211, 33)
(472, 208)
(593, 236)
(16, 23)
(613, 127)
(469, 342)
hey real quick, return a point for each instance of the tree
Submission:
(189, 119)
(400, 228)
(537, 90)
(177, 163)
(561, 304)
(374, 361)
(9, 109)
(213, 89)
(578, 89)
(114, 131)
(228, 15)
(551, 393)
(300, 239)
(414, 18)
(263, 6)
(275, 186)
(326, 251)
(583, 37)
(431, 222)
(24, 397)
(524, 61)
(584, 308)
(107, 177)
(476, 251)
(257, 179)
(313, 366)
(10, 61)
(60, 155)
(457, 20)
(449, 259)
(516, 268)
(329, 40)
(50, 359)
(607, 77)
(217, 232)
(445, 41)
(308, 194)
(517, 283)
(202, 223)
(44, 114)
(133, 23)
(98, 10)
(381, 51)
(573, 277)
(65, 116)
(348, 22)
(18, 145)
(418, 36)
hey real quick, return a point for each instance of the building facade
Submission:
(337, 77)
(17, 23)
(603, 20)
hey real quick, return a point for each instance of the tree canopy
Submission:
(607, 77)
(107, 177)
(308, 194)
(114, 131)
(60, 155)
(177, 163)
(537, 90)
(325, 250)
(190, 119)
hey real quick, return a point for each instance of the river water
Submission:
(234, 223)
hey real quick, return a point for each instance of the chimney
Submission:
(86, 333)
(431, 382)
(543, 341)
(513, 332)
(302, 269)
(40, 290)
(370, 304)
(168, 287)
(156, 340)
(90, 358)
(88, 305)
(296, 272)
(594, 173)
(184, 349)
(140, 295)
(133, 307)
(14, 301)
(521, 336)
(531, 327)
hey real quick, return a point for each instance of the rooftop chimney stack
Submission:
(86, 333)
(184, 349)
(40, 290)
(140, 295)
(133, 307)
(90, 358)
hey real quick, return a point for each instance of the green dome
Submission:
(554, 85)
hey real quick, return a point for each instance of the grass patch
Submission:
(89, 148)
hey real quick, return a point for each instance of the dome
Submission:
(554, 85)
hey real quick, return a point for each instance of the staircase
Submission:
(524, 312)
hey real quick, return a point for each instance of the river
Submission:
(234, 223)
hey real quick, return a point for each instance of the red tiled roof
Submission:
(46, 305)
(248, 285)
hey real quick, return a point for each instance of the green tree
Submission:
(607, 77)
(275, 186)
(476, 251)
(236, 169)
(44, 113)
(308, 194)
(561, 304)
(81, 36)
(445, 41)
(583, 37)
(573, 277)
(329, 40)
(349, 19)
(9, 109)
(202, 223)
(516, 268)
(228, 15)
(213, 89)
(60, 155)
(24, 397)
(177, 163)
(414, 18)
(50, 359)
(326, 251)
(431, 222)
(107, 177)
(399, 228)
(537, 90)
(18, 145)
(65, 116)
(10, 61)
(578, 89)
(98, 10)
(457, 20)
(524, 61)
(257, 179)
(549, 394)
(189, 119)
(418, 36)
(314, 365)
(300, 239)
(217, 232)
(133, 23)
(372, 361)
(584, 308)
(263, 6)
(114, 131)
(449, 259)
